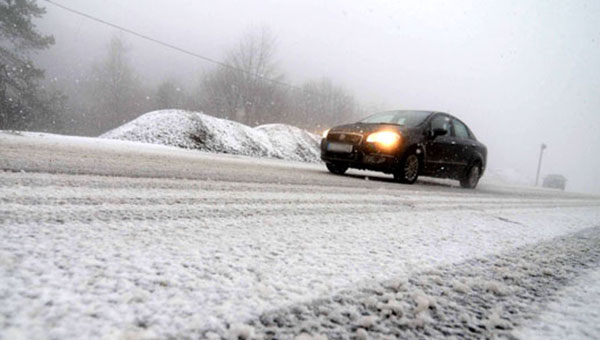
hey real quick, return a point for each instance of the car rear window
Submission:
(460, 130)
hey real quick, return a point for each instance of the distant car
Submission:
(555, 181)
(407, 144)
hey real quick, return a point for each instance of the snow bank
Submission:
(296, 143)
(194, 130)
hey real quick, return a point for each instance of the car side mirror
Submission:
(438, 132)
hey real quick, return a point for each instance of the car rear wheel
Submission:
(471, 178)
(408, 172)
(337, 168)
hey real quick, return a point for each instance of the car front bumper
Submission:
(360, 157)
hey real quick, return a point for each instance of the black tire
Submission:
(409, 169)
(337, 168)
(471, 177)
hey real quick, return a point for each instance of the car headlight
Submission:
(325, 133)
(386, 139)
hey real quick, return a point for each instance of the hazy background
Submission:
(519, 73)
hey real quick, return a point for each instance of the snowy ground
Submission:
(572, 314)
(109, 239)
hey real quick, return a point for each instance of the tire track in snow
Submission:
(70, 200)
(485, 297)
(65, 211)
(46, 180)
(90, 196)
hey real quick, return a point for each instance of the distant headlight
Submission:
(386, 139)
(325, 133)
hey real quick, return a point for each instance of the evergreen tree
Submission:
(24, 103)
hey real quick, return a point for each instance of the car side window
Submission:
(460, 130)
(441, 122)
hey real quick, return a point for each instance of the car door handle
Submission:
(453, 142)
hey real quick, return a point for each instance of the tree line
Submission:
(249, 87)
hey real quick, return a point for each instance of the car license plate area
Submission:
(339, 147)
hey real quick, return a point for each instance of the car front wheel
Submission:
(471, 178)
(408, 172)
(336, 168)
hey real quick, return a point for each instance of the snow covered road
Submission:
(108, 239)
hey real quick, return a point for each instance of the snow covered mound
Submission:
(193, 130)
(298, 144)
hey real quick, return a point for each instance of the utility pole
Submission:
(537, 177)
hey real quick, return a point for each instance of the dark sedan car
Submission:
(407, 144)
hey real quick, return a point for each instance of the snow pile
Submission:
(194, 130)
(298, 144)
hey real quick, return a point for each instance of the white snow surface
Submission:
(507, 176)
(299, 144)
(574, 314)
(194, 130)
(169, 242)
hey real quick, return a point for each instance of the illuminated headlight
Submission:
(385, 139)
(325, 133)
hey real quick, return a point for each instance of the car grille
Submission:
(343, 137)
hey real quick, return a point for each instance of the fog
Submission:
(519, 73)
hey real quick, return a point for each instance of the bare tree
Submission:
(108, 95)
(321, 103)
(115, 85)
(241, 92)
(169, 95)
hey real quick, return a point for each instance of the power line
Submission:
(173, 47)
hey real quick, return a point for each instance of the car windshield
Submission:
(406, 118)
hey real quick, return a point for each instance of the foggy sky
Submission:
(519, 73)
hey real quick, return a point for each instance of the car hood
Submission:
(365, 128)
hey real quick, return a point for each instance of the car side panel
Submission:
(439, 151)
(439, 155)
(463, 150)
